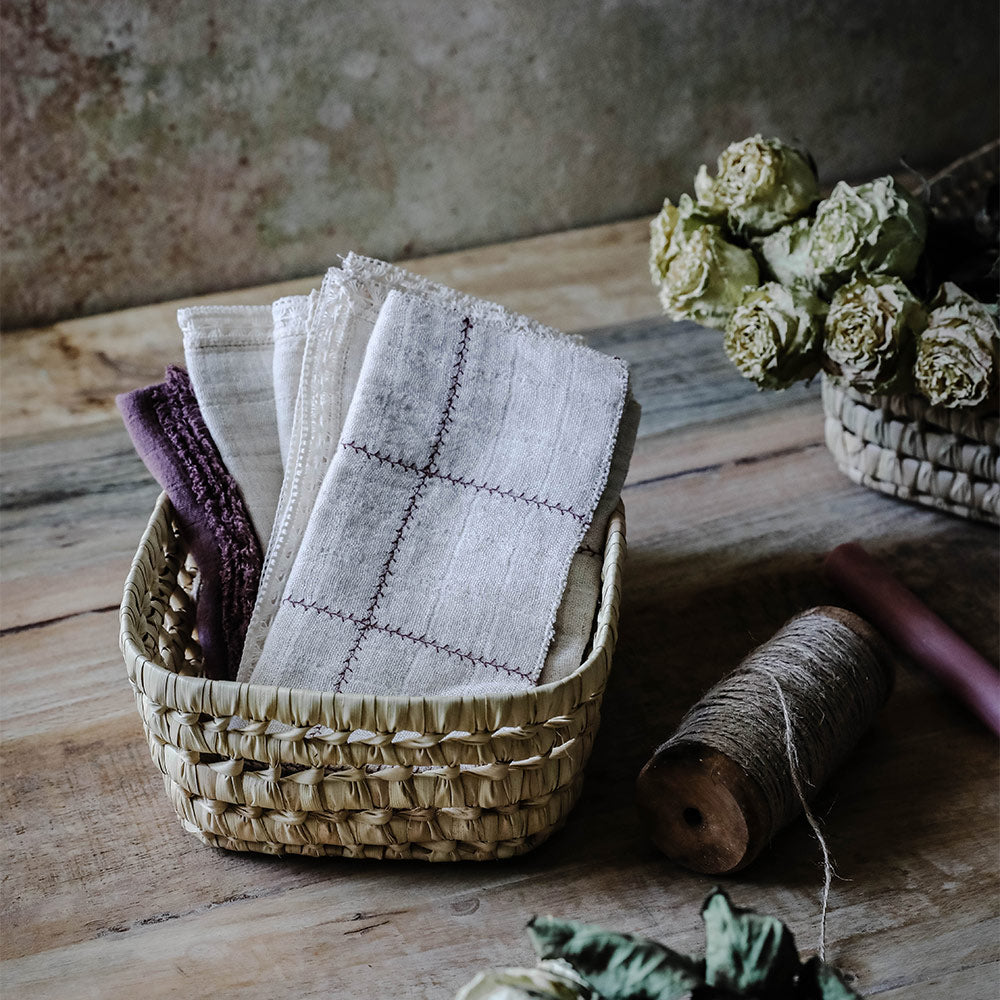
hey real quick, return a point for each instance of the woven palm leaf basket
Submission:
(359, 776)
(901, 445)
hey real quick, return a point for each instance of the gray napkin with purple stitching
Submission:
(468, 473)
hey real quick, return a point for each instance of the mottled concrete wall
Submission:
(153, 149)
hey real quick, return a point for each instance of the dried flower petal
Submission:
(525, 984)
(661, 235)
(705, 276)
(785, 254)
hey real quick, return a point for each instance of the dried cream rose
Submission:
(871, 331)
(705, 276)
(775, 334)
(672, 220)
(761, 185)
(875, 228)
(957, 353)
(785, 255)
(661, 234)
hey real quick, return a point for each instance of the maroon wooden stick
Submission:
(914, 629)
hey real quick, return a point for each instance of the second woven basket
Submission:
(900, 445)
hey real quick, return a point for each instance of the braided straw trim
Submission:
(500, 785)
(390, 777)
(198, 733)
(427, 828)
(902, 446)
(427, 851)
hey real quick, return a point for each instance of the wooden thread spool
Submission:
(715, 793)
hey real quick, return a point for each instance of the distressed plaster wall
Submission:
(153, 149)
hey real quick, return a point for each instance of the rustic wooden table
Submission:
(732, 503)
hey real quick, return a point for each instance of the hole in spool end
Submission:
(693, 817)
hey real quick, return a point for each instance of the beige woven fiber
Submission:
(435, 779)
(900, 445)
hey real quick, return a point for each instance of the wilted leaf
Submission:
(617, 966)
(747, 952)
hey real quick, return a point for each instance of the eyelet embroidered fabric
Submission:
(340, 320)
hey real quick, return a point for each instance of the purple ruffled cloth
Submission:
(169, 433)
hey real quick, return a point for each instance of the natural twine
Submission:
(790, 713)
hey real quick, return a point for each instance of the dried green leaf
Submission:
(617, 966)
(822, 982)
(747, 952)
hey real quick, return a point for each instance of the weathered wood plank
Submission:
(69, 373)
(72, 508)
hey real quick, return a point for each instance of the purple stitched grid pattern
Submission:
(422, 640)
(422, 475)
(462, 487)
(459, 481)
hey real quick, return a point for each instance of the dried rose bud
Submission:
(552, 980)
(705, 276)
(875, 228)
(785, 254)
(661, 235)
(775, 334)
(761, 185)
(871, 332)
(957, 353)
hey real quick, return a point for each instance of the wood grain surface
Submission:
(732, 503)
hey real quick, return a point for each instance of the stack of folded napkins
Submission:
(431, 477)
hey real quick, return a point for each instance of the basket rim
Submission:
(302, 709)
(981, 423)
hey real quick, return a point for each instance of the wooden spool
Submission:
(701, 808)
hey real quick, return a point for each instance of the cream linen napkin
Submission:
(575, 619)
(291, 320)
(229, 352)
(469, 469)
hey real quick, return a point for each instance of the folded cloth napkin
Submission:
(339, 325)
(291, 320)
(468, 472)
(575, 618)
(230, 356)
(173, 441)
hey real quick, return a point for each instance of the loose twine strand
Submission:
(790, 713)
(793, 768)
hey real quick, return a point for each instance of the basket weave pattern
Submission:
(900, 445)
(436, 779)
